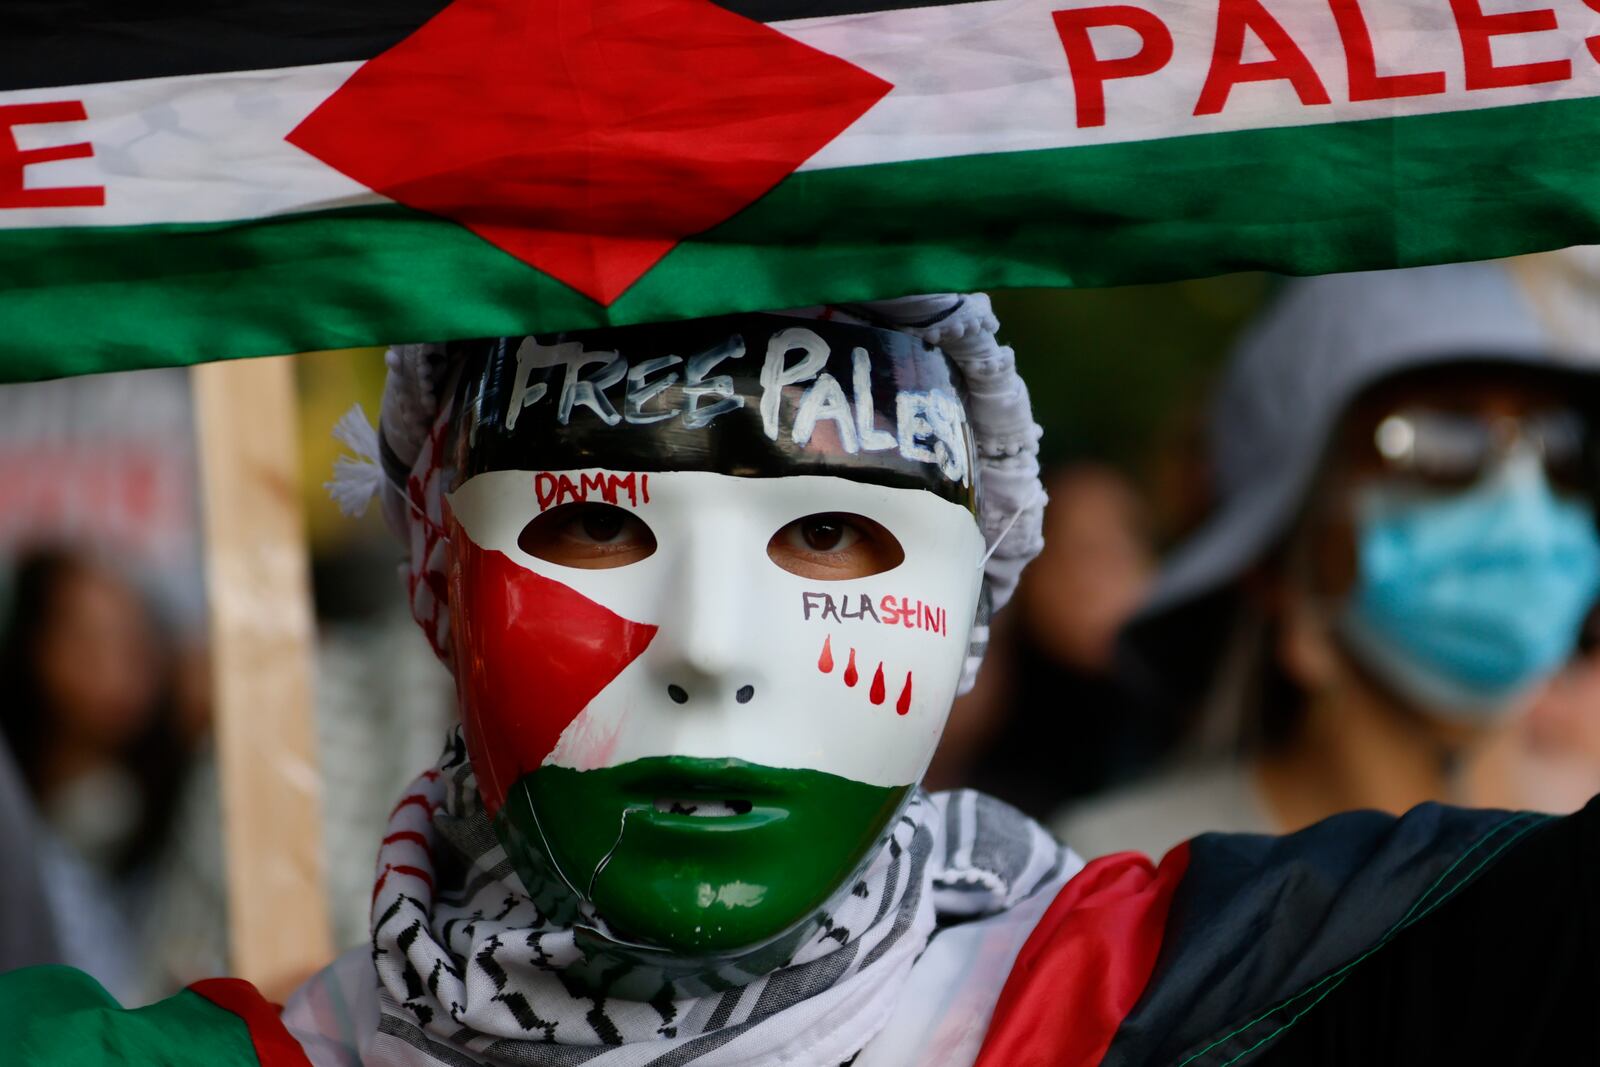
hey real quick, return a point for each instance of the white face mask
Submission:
(749, 661)
(686, 730)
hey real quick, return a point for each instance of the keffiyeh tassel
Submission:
(356, 479)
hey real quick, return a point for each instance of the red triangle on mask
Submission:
(530, 654)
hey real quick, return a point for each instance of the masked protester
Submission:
(1404, 554)
(708, 590)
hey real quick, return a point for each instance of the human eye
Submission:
(833, 546)
(589, 536)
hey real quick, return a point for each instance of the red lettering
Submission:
(1228, 69)
(545, 488)
(1365, 81)
(908, 613)
(1476, 29)
(890, 609)
(929, 621)
(13, 160)
(628, 482)
(1593, 43)
(552, 489)
(1089, 72)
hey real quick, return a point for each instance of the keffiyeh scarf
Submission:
(471, 973)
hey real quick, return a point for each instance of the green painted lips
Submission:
(780, 843)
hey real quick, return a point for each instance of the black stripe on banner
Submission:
(784, 10)
(47, 43)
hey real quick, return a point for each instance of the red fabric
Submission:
(274, 1045)
(586, 137)
(1085, 965)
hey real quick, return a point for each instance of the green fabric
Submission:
(1303, 200)
(60, 1017)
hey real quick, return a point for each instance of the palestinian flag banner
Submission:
(190, 181)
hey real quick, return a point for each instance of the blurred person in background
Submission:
(1402, 558)
(27, 929)
(1561, 733)
(91, 718)
(1049, 719)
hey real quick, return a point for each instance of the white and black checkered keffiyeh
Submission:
(471, 973)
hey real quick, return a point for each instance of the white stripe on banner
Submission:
(994, 76)
(975, 78)
(191, 148)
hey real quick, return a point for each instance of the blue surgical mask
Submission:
(1465, 602)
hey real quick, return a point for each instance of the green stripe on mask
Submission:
(695, 885)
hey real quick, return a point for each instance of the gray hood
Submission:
(1291, 377)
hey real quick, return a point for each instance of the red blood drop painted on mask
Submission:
(850, 674)
(825, 661)
(903, 705)
(530, 654)
(877, 694)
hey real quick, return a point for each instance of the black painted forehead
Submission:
(748, 395)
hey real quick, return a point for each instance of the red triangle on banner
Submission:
(586, 137)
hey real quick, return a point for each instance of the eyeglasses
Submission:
(1454, 449)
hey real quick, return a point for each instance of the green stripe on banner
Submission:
(60, 1017)
(1302, 200)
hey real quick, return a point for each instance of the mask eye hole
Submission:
(834, 546)
(588, 536)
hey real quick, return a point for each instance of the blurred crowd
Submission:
(1350, 560)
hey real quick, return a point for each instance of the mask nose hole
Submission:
(744, 694)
